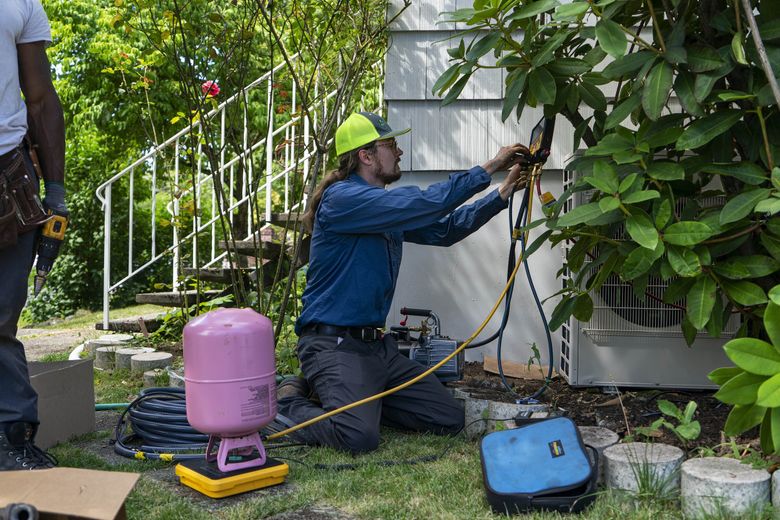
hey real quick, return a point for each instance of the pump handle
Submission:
(409, 311)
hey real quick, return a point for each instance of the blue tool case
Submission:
(542, 465)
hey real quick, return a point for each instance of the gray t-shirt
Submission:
(21, 21)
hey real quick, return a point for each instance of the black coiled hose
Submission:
(158, 417)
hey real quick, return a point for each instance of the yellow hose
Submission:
(471, 338)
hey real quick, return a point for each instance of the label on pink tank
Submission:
(257, 403)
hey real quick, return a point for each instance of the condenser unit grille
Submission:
(617, 311)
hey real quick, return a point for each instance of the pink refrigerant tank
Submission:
(230, 382)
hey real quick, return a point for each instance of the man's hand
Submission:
(506, 157)
(517, 179)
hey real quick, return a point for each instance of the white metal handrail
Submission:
(150, 163)
(234, 173)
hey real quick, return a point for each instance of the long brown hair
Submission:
(348, 163)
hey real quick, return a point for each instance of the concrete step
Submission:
(176, 298)
(150, 324)
(218, 275)
(250, 247)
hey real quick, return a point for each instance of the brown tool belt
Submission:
(20, 206)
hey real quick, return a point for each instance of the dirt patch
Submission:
(41, 342)
(621, 412)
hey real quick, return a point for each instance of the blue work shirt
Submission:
(358, 236)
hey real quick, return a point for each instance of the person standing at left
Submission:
(32, 143)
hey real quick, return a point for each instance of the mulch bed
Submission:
(620, 412)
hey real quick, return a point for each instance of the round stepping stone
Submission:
(600, 439)
(123, 355)
(117, 338)
(476, 411)
(776, 491)
(505, 413)
(93, 344)
(154, 378)
(104, 358)
(714, 486)
(643, 467)
(142, 362)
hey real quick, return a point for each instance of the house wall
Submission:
(461, 283)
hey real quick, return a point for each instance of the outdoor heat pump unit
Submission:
(630, 342)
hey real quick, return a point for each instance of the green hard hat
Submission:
(362, 128)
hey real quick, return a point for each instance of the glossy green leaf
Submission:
(741, 389)
(639, 261)
(747, 172)
(446, 79)
(769, 392)
(627, 182)
(628, 64)
(592, 96)
(666, 171)
(482, 46)
(606, 176)
(687, 233)
(583, 308)
(611, 38)
(623, 110)
(774, 294)
(704, 130)
(772, 323)
(610, 144)
(720, 376)
(609, 203)
(670, 409)
(641, 196)
(754, 356)
(580, 214)
(562, 312)
(742, 205)
(684, 261)
(572, 10)
(547, 52)
(737, 49)
(513, 90)
(663, 214)
(656, 89)
(743, 292)
(568, 66)
(534, 8)
(542, 85)
(742, 418)
(700, 302)
(768, 206)
(771, 244)
(703, 85)
(703, 59)
(750, 266)
(456, 89)
(642, 231)
(683, 87)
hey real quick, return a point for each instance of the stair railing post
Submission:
(269, 151)
(106, 255)
(176, 195)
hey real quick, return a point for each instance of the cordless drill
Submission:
(52, 235)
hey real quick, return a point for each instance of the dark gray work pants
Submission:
(345, 372)
(18, 400)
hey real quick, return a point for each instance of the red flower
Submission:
(209, 88)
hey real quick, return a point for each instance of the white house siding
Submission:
(461, 283)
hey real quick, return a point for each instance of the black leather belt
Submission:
(361, 333)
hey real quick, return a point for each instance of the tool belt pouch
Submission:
(541, 466)
(20, 207)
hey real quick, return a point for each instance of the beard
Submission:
(391, 177)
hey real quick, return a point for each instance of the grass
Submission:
(85, 318)
(450, 487)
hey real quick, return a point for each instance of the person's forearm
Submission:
(47, 131)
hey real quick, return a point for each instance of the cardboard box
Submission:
(69, 493)
(66, 400)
